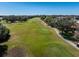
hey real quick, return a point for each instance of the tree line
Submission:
(13, 19)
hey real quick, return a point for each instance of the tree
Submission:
(4, 33)
(43, 17)
(66, 25)
(50, 20)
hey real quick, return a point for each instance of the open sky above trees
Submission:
(39, 8)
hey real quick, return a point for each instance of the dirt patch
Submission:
(16, 52)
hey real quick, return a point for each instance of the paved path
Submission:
(57, 31)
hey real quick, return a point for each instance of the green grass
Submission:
(38, 39)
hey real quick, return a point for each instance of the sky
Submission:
(39, 8)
